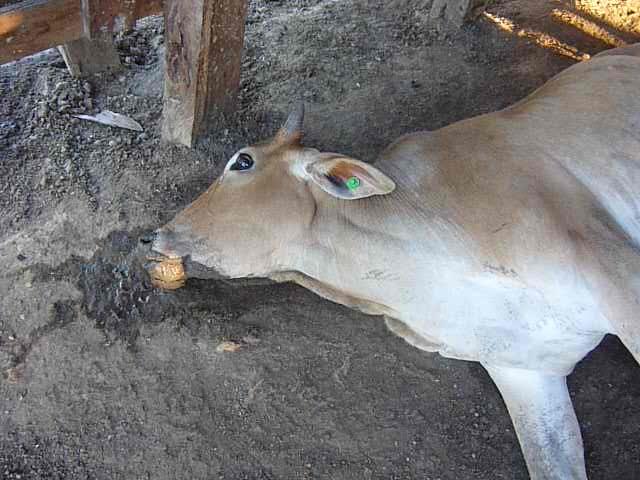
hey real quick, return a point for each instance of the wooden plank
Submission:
(203, 41)
(88, 56)
(35, 25)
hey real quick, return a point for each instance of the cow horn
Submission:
(292, 128)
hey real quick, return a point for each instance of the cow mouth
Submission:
(171, 272)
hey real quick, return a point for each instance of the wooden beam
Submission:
(203, 40)
(35, 25)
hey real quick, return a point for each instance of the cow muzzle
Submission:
(170, 262)
(166, 271)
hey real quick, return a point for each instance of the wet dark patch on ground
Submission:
(62, 313)
(119, 297)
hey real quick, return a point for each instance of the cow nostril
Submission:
(149, 237)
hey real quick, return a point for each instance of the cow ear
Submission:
(347, 178)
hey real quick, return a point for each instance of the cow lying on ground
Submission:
(511, 239)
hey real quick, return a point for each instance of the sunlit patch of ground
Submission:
(576, 30)
(623, 15)
(540, 38)
(587, 26)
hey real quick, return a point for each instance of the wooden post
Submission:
(456, 12)
(95, 52)
(116, 15)
(88, 56)
(203, 40)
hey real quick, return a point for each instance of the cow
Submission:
(511, 239)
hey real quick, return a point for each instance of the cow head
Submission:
(256, 216)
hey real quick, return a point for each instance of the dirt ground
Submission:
(103, 377)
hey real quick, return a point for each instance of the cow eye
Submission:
(243, 162)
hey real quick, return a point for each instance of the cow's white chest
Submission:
(506, 325)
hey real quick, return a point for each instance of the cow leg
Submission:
(544, 421)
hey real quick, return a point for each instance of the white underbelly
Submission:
(509, 326)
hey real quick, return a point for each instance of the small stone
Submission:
(250, 340)
(42, 111)
(157, 41)
(21, 257)
(13, 375)
(228, 346)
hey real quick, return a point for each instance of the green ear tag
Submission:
(353, 183)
